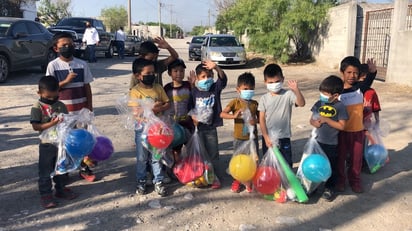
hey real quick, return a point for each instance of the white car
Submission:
(223, 49)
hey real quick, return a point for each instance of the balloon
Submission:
(102, 150)
(79, 142)
(159, 135)
(266, 180)
(189, 168)
(316, 168)
(178, 135)
(376, 156)
(242, 167)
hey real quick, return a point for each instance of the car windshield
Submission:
(76, 22)
(198, 39)
(223, 42)
(4, 26)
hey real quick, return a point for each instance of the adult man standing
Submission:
(91, 38)
(120, 37)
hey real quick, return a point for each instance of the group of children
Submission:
(340, 133)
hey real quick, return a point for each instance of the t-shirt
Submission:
(181, 100)
(156, 93)
(370, 104)
(278, 112)
(210, 102)
(335, 111)
(73, 94)
(352, 98)
(43, 113)
(160, 67)
(241, 131)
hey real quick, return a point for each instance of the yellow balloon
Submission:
(242, 167)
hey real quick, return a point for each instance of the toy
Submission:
(178, 135)
(242, 167)
(316, 168)
(79, 143)
(159, 135)
(266, 180)
(376, 156)
(102, 150)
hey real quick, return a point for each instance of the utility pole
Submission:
(171, 5)
(160, 18)
(129, 16)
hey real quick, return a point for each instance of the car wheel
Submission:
(4, 68)
(110, 52)
(51, 55)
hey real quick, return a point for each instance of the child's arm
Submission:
(339, 125)
(315, 122)
(43, 126)
(165, 45)
(370, 77)
(263, 129)
(68, 79)
(160, 107)
(213, 66)
(300, 100)
(225, 114)
(88, 91)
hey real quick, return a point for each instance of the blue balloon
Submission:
(79, 143)
(316, 168)
(375, 156)
(179, 136)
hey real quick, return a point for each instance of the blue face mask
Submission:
(247, 94)
(323, 98)
(204, 84)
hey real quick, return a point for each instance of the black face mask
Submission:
(67, 51)
(49, 101)
(148, 79)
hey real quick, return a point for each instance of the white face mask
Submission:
(274, 87)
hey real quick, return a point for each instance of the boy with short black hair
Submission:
(329, 116)
(246, 90)
(207, 102)
(44, 115)
(143, 70)
(275, 110)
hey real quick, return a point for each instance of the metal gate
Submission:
(377, 39)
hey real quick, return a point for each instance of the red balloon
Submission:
(159, 135)
(266, 180)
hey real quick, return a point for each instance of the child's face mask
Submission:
(323, 98)
(274, 87)
(204, 84)
(247, 94)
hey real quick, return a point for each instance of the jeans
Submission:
(285, 148)
(47, 162)
(143, 157)
(92, 53)
(120, 49)
(209, 139)
(331, 152)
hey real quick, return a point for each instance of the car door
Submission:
(21, 45)
(203, 49)
(38, 43)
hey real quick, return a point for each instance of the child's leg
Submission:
(341, 160)
(210, 141)
(286, 149)
(141, 158)
(157, 169)
(47, 161)
(331, 152)
(355, 159)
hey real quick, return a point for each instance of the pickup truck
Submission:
(76, 26)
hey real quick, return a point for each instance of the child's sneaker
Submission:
(87, 174)
(235, 187)
(48, 202)
(141, 187)
(216, 183)
(160, 189)
(249, 187)
(66, 193)
(149, 177)
(328, 194)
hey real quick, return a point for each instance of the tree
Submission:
(114, 17)
(282, 28)
(11, 8)
(51, 11)
(198, 30)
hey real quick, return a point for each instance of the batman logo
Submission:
(327, 111)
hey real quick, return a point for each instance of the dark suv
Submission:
(76, 26)
(194, 47)
(23, 44)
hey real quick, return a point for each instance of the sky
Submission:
(184, 13)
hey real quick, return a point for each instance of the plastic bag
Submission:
(375, 153)
(243, 164)
(312, 147)
(194, 168)
(203, 114)
(130, 112)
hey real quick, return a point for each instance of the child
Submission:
(43, 116)
(144, 71)
(350, 143)
(179, 93)
(275, 110)
(245, 88)
(371, 105)
(329, 116)
(206, 99)
(74, 78)
(149, 50)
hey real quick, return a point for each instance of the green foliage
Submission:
(282, 28)
(114, 17)
(198, 30)
(50, 12)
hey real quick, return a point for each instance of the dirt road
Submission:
(110, 202)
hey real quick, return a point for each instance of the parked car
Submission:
(194, 47)
(132, 45)
(23, 43)
(223, 49)
(76, 26)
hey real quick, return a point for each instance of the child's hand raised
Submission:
(192, 77)
(293, 85)
(161, 43)
(208, 64)
(371, 65)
